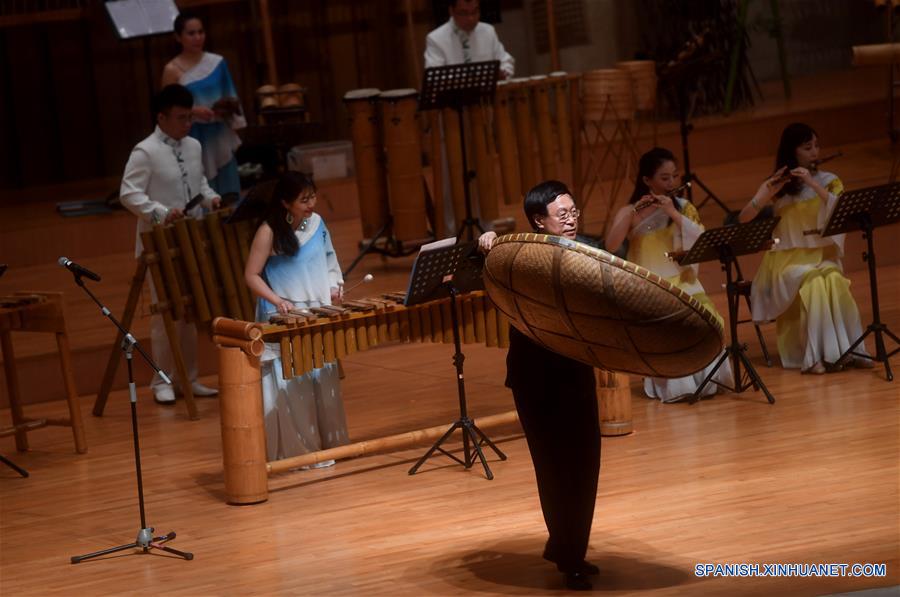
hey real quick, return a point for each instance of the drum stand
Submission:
(436, 273)
(145, 539)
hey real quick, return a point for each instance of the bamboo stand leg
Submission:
(12, 386)
(65, 361)
(134, 293)
(243, 427)
(180, 369)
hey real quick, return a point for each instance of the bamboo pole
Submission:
(551, 36)
(392, 442)
(268, 44)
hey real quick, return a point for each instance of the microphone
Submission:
(77, 269)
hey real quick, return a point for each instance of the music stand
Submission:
(457, 86)
(437, 273)
(725, 245)
(865, 210)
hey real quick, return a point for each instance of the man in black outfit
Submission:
(556, 399)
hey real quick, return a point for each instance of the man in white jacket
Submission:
(163, 173)
(463, 38)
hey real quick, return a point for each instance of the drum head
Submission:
(398, 94)
(593, 307)
(361, 94)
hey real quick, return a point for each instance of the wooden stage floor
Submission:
(814, 478)
(811, 479)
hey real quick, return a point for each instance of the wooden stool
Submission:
(37, 312)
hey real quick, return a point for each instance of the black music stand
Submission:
(726, 244)
(436, 274)
(457, 86)
(865, 210)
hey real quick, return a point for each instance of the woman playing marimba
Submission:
(655, 224)
(292, 264)
(800, 283)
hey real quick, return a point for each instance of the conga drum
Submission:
(614, 403)
(608, 95)
(506, 144)
(540, 92)
(291, 95)
(596, 308)
(403, 150)
(371, 183)
(643, 82)
(521, 101)
(266, 97)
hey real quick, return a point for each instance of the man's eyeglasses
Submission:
(565, 216)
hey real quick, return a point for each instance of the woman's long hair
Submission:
(649, 163)
(793, 136)
(287, 190)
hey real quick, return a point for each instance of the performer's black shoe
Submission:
(588, 568)
(583, 567)
(578, 581)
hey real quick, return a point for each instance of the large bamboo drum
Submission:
(608, 95)
(371, 182)
(403, 148)
(593, 307)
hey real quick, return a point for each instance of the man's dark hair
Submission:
(170, 96)
(542, 195)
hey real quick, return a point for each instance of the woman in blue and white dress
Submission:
(292, 264)
(217, 112)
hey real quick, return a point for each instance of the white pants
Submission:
(162, 354)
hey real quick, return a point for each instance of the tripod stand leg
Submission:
(157, 543)
(434, 447)
(13, 466)
(484, 440)
(698, 392)
(103, 552)
(469, 432)
(755, 379)
(881, 354)
(366, 250)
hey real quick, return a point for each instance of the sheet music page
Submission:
(159, 14)
(127, 17)
(438, 244)
(134, 18)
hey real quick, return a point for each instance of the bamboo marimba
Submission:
(197, 268)
(311, 338)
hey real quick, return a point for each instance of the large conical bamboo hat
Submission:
(596, 308)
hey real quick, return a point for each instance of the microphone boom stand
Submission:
(145, 539)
